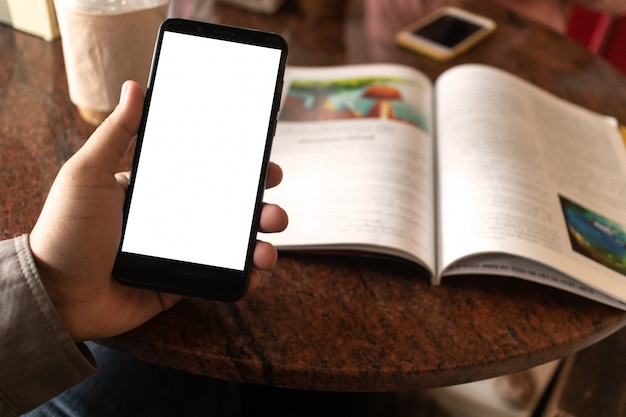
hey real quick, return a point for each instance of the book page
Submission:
(356, 149)
(513, 266)
(525, 173)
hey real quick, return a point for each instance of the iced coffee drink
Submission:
(105, 44)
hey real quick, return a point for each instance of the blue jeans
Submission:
(125, 386)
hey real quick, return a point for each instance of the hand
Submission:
(77, 235)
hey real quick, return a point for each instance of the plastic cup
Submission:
(104, 44)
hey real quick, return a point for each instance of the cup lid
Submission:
(109, 6)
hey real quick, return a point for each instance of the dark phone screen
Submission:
(447, 30)
(195, 186)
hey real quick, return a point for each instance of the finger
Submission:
(255, 280)
(123, 178)
(273, 218)
(111, 141)
(274, 175)
(265, 256)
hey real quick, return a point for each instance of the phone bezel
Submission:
(186, 278)
(407, 37)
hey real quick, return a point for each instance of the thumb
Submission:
(108, 145)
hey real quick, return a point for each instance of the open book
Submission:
(478, 173)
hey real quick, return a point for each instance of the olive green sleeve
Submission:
(38, 358)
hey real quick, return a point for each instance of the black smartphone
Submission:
(445, 33)
(198, 175)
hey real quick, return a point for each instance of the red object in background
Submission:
(601, 33)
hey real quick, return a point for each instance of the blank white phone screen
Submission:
(199, 168)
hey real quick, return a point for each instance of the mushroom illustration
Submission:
(384, 95)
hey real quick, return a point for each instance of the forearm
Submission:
(38, 358)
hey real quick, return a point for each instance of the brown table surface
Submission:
(325, 322)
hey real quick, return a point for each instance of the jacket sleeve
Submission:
(38, 358)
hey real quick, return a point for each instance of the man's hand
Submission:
(77, 235)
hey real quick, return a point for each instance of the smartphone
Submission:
(445, 33)
(195, 194)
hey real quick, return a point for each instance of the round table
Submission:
(324, 322)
